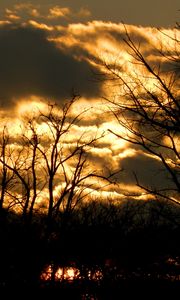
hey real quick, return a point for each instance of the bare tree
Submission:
(67, 167)
(6, 176)
(17, 162)
(148, 106)
(50, 163)
(31, 140)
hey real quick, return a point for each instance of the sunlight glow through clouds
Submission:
(87, 45)
(31, 105)
(40, 25)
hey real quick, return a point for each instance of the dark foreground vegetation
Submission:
(107, 248)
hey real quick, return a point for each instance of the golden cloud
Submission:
(94, 42)
(59, 12)
(4, 22)
(40, 25)
(13, 17)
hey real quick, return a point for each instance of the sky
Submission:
(161, 13)
(49, 48)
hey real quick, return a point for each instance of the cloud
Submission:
(105, 41)
(4, 22)
(84, 12)
(46, 60)
(28, 8)
(100, 29)
(58, 12)
(40, 25)
(24, 10)
(30, 64)
(10, 14)
(49, 13)
(149, 171)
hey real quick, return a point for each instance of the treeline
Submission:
(108, 244)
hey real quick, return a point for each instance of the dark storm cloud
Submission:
(149, 171)
(30, 64)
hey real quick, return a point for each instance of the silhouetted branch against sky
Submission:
(49, 50)
(148, 107)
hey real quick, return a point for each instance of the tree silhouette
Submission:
(49, 159)
(148, 106)
(6, 181)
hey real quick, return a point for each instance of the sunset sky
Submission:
(48, 48)
(139, 12)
